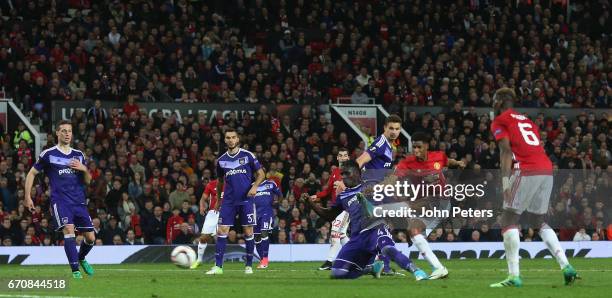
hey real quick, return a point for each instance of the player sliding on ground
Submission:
(240, 173)
(341, 223)
(369, 235)
(209, 228)
(65, 167)
(426, 166)
(527, 187)
(264, 211)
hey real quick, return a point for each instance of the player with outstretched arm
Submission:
(369, 235)
(340, 225)
(239, 173)
(377, 161)
(68, 176)
(426, 166)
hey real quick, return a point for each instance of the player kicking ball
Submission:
(209, 228)
(239, 173)
(425, 165)
(264, 199)
(369, 235)
(65, 167)
(527, 188)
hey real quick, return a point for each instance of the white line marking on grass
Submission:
(36, 296)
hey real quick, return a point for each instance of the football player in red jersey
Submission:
(426, 166)
(209, 228)
(527, 183)
(340, 224)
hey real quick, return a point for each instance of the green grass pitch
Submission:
(468, 278)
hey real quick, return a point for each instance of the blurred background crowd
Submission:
(150, 170)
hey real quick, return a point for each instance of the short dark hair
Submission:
(62, 122)
(229, 129)
(421, 136)
(342, 149)
(393, 118)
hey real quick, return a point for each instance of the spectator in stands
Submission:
(581, 235)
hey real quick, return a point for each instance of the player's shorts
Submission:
(359, 251)
(245, 211)
(264, 222)
(210, 222)
(531, 193)
(68, 214)
(341, 223)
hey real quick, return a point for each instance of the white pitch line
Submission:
(315, 270)
(36, 296)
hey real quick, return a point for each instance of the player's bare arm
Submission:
(505, 159)
(203, 200)
(259, 177)
(456, 163)
(29, 182)
(328, 214)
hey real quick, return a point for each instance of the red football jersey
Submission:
(528, 154)
(425, 170)
(330, 191)
(211, 192)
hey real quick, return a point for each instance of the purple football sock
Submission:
(220, 250)
(71, 252)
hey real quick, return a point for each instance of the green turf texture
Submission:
(468, 278)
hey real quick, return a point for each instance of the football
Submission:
(183, 256)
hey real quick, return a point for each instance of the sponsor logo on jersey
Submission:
(387, 165)
(235, 171)
(67, 171)
(518, 117)
(262, 193)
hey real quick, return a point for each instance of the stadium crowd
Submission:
(149, 172)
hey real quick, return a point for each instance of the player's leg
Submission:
(257, 235)
(209, 229)
(71, 250)
(352, 259)
(83, 224)
(416, 226)
(248, 219)
(336, 239)
(227, 213)
(520, 196)
(536, 213)
(384, 243)
(63, 219)
(510, 234)
(262, 241)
